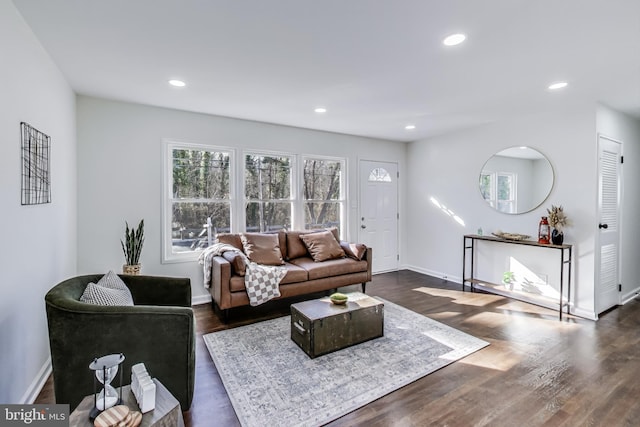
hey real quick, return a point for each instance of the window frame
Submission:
(168, 145)
(237, 191)
(494, 200)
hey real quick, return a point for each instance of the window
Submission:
(267, 183)
(499, 189)
(198, 198)
(323, 193)
(379, 175)
(281, 191)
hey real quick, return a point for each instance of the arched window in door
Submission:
(379, 175)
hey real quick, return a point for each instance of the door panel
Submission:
(608, 253)
(378, 227)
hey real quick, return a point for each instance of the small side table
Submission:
(167, 412)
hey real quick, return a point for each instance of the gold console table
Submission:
(565, 251)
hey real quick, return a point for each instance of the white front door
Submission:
(608, 243)
(378, 217)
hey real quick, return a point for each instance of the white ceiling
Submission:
(375, 65)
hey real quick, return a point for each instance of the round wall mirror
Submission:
(516, 180)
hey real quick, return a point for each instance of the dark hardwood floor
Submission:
(537, 370)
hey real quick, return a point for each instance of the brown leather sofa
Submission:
(304, 275)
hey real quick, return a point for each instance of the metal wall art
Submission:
(36, 177)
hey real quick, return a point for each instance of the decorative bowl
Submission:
(339, 298)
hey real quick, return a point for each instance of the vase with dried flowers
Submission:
(558, 220)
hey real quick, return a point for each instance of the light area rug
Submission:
(272, 382)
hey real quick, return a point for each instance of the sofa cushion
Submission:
(237, 262)
(295, 274)
(322, 246)
(296, 247)
(330, 268)
(110, 290)
(232, 239)
(353, 250)
(262, 248)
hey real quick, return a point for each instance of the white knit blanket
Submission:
(261, 281)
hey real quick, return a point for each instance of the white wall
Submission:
(39, 241)
(120, 173)
(446, 168)
(625, 129)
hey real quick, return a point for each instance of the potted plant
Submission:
(132, 248)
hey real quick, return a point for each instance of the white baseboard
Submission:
(201, 299)
(436, 274)
(36, 386)
(586, 314)
(629, 296)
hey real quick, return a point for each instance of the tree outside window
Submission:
(200, 189)
(322, 193)
(267, 182)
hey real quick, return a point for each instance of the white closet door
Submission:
(608, 242)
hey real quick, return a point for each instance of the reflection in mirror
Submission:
(516, 180)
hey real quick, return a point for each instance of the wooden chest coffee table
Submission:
(320, 327)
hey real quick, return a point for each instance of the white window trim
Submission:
(168, 145)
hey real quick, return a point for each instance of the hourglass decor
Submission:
(106, 368)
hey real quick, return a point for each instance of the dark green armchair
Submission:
(157, 331)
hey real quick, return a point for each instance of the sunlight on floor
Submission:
(455, 296)
(503, 309)
(493, 357)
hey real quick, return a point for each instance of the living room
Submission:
(106, 167)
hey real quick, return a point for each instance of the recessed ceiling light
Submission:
(454, 39)
(177, 83)
(557, 85)
(410, 127)
(320, 110)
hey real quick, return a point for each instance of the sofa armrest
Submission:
(368, 256)
(221, 282)
(159, 291)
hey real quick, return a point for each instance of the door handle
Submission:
(605, 226)
(363, 226)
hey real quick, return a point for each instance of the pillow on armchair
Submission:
(110, 290)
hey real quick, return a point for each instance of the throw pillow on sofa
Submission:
(230, 239)
(353, 250)
(262, 248)
(296, 247)
(110, 290)
(322, 246)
